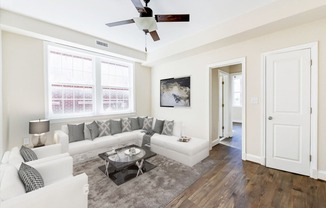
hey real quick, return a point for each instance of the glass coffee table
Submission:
(122, 164)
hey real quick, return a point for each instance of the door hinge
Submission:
(222, 82)
(222, 105)
(310, 62)
(222, 127)
(310, 157)
(310, 110)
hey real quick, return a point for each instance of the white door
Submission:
(288, 111)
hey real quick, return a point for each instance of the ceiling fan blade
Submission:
(172, 17)
(154, 35)
(139, 6)
(123, 22)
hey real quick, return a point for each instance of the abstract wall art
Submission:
(175, 92)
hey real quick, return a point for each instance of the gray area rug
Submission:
(155, 188)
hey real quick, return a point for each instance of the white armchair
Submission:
(45, 153)
(61, 188)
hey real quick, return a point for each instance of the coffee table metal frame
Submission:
(126, 160)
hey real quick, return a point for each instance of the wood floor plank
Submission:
(236, 183)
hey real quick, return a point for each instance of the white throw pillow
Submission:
(10, 183)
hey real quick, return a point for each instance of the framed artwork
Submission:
(175, 92)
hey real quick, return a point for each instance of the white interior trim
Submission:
(241, 61)
(314, 104)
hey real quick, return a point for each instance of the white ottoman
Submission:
(188, 153)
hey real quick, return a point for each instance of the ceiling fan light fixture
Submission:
(146, 23)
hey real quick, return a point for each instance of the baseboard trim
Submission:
(322, 175)
(253, 158)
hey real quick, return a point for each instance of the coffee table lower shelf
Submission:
(126, 174)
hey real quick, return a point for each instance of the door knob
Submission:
(270, 118)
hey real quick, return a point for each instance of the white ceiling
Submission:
(90, 17)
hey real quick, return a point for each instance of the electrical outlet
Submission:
(26, 140)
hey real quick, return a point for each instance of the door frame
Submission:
(226, 113)
(241, 61)
(313, 101)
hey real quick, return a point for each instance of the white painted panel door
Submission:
(288, 111)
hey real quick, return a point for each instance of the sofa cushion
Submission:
(148, 123)
(76, 132)
(115, 126)
(126, 124)
(10, 183)
(93, 129)
(105, 141)
(168, 128)
(158, 126)
(134, 123)
(104, 128)
(27, 154)
(31, 178)
(81, 146)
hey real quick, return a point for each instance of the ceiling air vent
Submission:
(101, 43)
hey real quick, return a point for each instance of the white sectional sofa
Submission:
(188, 153)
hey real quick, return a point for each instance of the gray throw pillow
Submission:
(148, 123)
(30, 177)
(141, 121)
(115, 127)
(93, 129)
(27, 154)
(168, 128)
(134, 124)
(126, 124)
(76, 132)
(104, 128)
(158, 127)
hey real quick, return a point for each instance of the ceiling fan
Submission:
(147, 22)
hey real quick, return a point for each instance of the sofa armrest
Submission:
(70, 192)
(60, 137)
(49, 150)
(55, 170)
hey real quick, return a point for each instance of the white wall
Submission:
(2, 140)
(23, 87)
(196, 118)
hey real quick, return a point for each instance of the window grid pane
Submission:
(115, 80)
(236, 101)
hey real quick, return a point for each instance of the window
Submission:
(84, 84)
(116, 86)
(236, 90)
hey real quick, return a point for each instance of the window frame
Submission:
(97, 96)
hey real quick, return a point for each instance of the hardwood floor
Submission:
(237, 183)
(236, 140)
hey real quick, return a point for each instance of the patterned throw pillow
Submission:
(126, 124)
(148, 123)
(93, 129)
(27, 154)
(168, 128)
(31, 178)
(104, 128)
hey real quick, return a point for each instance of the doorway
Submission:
(226, 125)
(290, 98)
